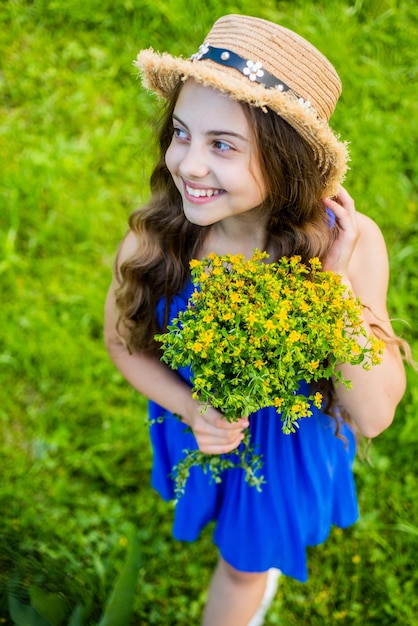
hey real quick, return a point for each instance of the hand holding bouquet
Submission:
(252, 331)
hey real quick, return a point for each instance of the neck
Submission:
(237, 235)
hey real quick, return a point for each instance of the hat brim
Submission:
(161, 73)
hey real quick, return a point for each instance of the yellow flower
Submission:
(315, 263)
(235, 259)
(269, 325)
(283, 313)
(252, 317)
(294, 336)
(194, 263)
(321, 597)
(254, 341)
(315, 299)
(340, 614)
(257, 255)
(274, 294)
(317, 400)
(312, 366)
(207, 337)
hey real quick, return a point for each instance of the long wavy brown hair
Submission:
(297, 223)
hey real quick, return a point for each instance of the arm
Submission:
(360, 256)
(152, 378)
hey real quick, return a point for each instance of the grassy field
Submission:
(76, 149)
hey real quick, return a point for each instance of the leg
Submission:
(234, 596)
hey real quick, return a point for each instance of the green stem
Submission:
(243, 457)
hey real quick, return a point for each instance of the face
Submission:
(213, 158)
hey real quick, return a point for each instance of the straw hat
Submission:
(266, 65)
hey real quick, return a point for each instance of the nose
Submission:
(194, 163)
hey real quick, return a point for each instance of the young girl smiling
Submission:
(248, 160)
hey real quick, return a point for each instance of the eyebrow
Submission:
(214, 132)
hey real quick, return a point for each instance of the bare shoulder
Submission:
(127, 248)
(369, 266)
(370, 253)
(370, 232)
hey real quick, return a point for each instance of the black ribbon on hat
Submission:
(253, 70)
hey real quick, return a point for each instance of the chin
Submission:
(198, 221)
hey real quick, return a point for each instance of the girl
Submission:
(247, 161)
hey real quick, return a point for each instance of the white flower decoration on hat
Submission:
(253, 70)
(305, 104)
(203, 49)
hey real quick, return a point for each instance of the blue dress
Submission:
(309, 486)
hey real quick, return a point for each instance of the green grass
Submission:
(75, 155)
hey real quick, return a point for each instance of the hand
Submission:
(214, 434)
(341, 251)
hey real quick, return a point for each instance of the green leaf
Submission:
(76, 618)
(120, 604)
(24, 614)
(52, 606)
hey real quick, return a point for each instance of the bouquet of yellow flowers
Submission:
(252, 331)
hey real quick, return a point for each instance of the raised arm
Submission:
(148, 375)
(360, 256)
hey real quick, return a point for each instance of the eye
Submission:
(180, 134)
(222, 146)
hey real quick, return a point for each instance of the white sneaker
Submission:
(268, 597)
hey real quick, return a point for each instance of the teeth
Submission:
(202, 193)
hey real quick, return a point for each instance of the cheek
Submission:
(170, 158)
(262, 190)
(260, 187)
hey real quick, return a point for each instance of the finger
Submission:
(223, 424)
(342, 200)
(215, 418)
(219, 436)
(220, 448)
(337, 208)
(346, 216)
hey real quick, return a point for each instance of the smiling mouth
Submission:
(202, 193)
